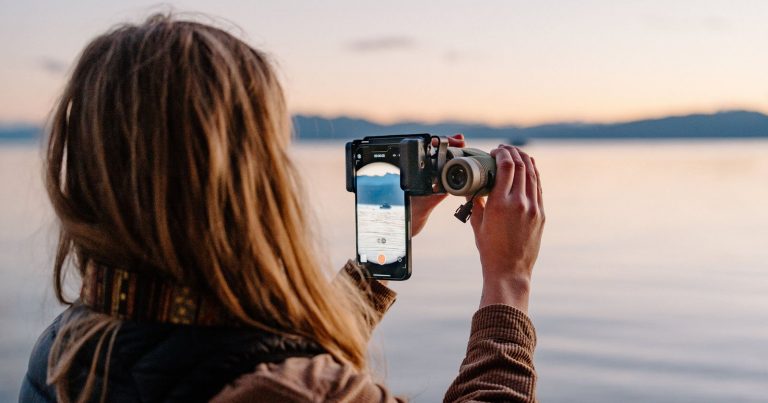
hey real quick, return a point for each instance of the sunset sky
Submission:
(497, 62)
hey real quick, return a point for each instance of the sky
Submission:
(493, 62)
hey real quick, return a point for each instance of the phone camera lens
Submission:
(457, 177)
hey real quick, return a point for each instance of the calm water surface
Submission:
(652, 283)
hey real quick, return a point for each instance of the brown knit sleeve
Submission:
(300, 379)
(499, 362)
(380, 296)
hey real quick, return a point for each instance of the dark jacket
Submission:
(162, 362)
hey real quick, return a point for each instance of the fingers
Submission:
(452, 142)
(539, 197)
(478, 210)
(457, 140)
(505, 173)
(517, 175)
(531, 185)
(518, 187)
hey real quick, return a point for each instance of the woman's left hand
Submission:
(422, 206)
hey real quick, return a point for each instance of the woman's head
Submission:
(168, 155)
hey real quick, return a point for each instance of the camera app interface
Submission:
(380, 214)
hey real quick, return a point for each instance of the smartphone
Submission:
(382, 210)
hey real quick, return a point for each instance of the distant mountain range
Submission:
(19, 132)
(728, 124)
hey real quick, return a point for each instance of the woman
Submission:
(168, 168)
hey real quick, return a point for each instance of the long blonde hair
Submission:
(168, 154)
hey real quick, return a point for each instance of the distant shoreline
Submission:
(727, 125)
(720, 125)
(35, 142)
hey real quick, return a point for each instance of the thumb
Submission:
(478, 210)
(428, 203)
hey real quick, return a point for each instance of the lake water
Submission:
(651, 286)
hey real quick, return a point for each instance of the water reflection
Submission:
(652, 284)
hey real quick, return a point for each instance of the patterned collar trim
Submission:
(133, 296)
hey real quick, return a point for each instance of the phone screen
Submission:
(382, 213)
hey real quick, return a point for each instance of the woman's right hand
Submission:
(508, 228)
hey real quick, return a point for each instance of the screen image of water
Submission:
(380, 233)
(380, 213)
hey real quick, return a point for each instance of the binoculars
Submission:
(427, 164)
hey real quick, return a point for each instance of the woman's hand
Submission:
(508, 229)
(422, 206)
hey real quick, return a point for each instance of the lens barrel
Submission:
(467, 175)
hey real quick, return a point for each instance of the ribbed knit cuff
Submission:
(380, 296)
(503, 323)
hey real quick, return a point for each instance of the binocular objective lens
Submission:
(457, 177)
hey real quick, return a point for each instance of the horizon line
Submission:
(17, 124)
(585, 122)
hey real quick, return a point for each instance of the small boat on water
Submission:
(385, 206)
(518, 141)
